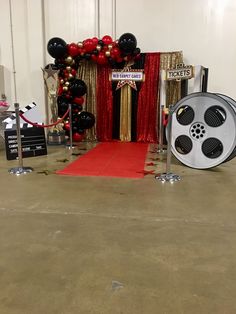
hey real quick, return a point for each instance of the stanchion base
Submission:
(168, 177)
(161, 151)
(70, 147)
(56, 138)
(20, 170)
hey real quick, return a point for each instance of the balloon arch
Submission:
(68, 58)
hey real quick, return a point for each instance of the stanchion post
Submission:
(168, 176)
(169, 137)
(160, 136)
(18, 135)
(71, 126)
(20, 169)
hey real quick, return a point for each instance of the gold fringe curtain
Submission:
(168, 61)
(88, 73)
(125, 113)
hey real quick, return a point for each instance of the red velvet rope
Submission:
(44, 125)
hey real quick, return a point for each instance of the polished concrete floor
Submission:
(93, 245)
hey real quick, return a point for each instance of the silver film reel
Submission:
(204, 130)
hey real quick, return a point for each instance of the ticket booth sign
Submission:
(182, 72)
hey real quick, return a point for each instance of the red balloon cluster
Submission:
(105, 51)
(101, 51)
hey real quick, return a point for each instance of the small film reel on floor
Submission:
(204, 130)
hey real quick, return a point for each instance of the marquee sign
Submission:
(127, 76)
(182, 72)
(133, 75)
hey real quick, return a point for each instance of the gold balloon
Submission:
(65, 88)
(68, 68)
(69, 59)
(67, 83)
(62, 81)
(80, 44)
(107, 53)
(99, 47)
(110, 47)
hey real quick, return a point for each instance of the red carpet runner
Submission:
(115, 159)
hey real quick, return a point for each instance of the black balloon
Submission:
(101, 43)
(78, 88)
(57, 47)
(137, 51)
(86, 120)
(127, 43)
(62, 103)
(87, 56)
(112, 62)
(95, 52)
(62, 99)
(59, 64)
(81, 131)
(62, 108)
(77, 107)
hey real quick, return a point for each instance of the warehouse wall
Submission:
(204, 29)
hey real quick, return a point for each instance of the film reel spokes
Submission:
(204, 130)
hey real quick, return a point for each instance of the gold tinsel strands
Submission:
(125, 113)
(87, 72)
(169, 60)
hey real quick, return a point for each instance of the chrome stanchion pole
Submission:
(20, 169)
(168, 176)
(160, 148)
(70, 119)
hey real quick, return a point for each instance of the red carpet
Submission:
(115, 159)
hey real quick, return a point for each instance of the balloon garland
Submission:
(68, 57)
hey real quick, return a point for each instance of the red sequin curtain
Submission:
(147, 102)
(104, 104)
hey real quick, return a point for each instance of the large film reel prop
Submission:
(168, 176)
(232, 102)
(204, 130)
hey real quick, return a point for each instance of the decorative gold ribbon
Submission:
(125, 113)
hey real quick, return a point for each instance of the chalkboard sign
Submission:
(32, 139)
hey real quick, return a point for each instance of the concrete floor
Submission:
(92, 245)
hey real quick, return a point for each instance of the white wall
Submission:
(204, 29)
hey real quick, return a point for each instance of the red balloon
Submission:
(116, 51)
(95, 40)
(73, 72)
(73, 49)
(67, 126)
(78, 100)
(107, 40)
(94, 58)
(119, 59)
(77, 137)
(101, 58)
(89, 45)
(60, 90)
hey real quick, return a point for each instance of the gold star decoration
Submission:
(131, 83)
(50, 72)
